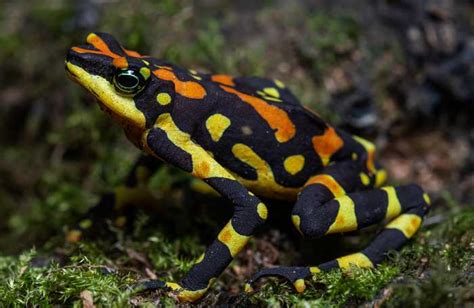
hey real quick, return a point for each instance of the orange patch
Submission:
(98, 43)
(327, 144)
(189, 89)
(226, 236)
(132, 53)
(224, 79)
(277, 118)
(120, 62)
(203, 170)
(329, 182)
(83, 50)
(340, 220)
(370, 161)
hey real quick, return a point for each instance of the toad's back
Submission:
(259, 131)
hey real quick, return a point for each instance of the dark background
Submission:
(398, 72)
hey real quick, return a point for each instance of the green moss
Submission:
(26, 284)
(327, 41)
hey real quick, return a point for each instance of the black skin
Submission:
(264, 144)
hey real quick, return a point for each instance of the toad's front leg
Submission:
(169, 143)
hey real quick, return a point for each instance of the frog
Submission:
(250, 140)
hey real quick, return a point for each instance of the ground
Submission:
(352, 63)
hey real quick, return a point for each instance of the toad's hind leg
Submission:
(404, 206)
(118, 206)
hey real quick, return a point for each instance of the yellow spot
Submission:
(163, 98)
(120, 221)
(380, 177)
(145, 72)
(262, 211)
(194, 72)
(73, 236)
(85, 224)
(294, 164)
(296, 222)
(183, 140)
(197, 77)
(201, 257)
(370, 148)
(314, 269)
(354, 156)
(346, 219)
(299, 285)
(248, 288)
(394, 207)
(355, 259)
(146, 62)
(329, 182)
(364, 178)
(246, 130)
(216, 125)
(272, 92)
(406, 223)
(426, 198)
(232, 239)
(279, 84)
(265, 184)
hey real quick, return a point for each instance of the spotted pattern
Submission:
(179, 118)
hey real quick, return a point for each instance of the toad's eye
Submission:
(128, 82)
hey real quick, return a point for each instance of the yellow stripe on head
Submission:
(122, 108)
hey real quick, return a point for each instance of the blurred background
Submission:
(398, 72)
